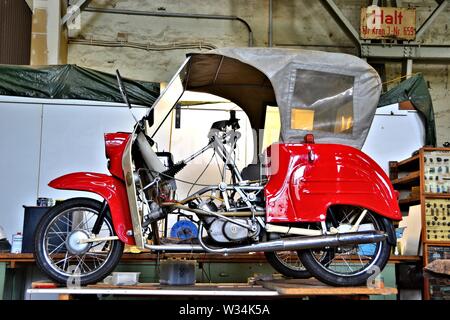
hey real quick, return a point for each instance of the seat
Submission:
(251, 172)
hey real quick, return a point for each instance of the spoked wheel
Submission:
(288, 264)
(61, 255)
(350, 265)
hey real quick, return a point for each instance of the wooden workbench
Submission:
(14, 259)
(270, 288)
(264, 289)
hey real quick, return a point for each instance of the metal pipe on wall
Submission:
(176, 15)
(270, 23)
(143, 46)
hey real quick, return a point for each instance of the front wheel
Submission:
(350, 265)
(59, 252)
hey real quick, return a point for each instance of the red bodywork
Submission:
(305, 179)
(115, 144)
(111, 188)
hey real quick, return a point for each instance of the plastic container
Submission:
(177, 272)
(125, 278)
(16, 246)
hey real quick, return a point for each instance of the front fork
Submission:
(101, 217)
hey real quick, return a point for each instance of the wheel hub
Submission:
(73, 242)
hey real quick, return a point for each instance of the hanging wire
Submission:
(201, 174)
(176, 179)
(218, 167)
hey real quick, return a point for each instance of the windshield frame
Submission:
(171, 89)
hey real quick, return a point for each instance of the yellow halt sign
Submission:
(388, 23)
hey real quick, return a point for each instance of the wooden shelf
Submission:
(438, 243)
(409, 201)
(437, 195)
(409, 164)
(411, 179)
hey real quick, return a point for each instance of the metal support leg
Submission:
(2, 278)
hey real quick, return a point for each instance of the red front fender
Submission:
(111, 189)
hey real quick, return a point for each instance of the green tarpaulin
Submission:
(414, 89)
(72, 82)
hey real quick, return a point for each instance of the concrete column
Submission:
(407, 67)
(48, 37)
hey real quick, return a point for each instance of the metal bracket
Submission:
(98, 239)
(73, 11)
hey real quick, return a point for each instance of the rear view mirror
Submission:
(150, 118)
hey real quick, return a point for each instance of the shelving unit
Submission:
(424, 179)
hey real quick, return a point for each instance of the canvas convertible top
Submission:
(332, 95)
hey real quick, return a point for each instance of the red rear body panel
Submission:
(305, 179)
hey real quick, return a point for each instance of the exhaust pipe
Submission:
(175, 247)
(292, 244)
(309, 242)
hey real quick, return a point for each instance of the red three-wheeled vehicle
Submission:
(313, 194)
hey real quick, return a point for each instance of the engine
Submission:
(223, 231)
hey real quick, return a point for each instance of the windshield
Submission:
(173, 92)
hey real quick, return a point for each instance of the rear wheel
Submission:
(288, 264)
(59, 252)
(349, 265)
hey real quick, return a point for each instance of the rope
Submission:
(399, 78)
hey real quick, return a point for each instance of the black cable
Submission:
(201, 174)
(176, 179)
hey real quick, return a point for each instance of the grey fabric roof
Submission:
(256, 77)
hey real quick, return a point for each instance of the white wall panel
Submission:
(73, 141)
(20, 129)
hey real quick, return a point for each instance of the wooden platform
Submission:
(14, 259)
(313, 287)
(267, 288)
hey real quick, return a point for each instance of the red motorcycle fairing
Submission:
(306, 179)
(111, 189)
(115, 144)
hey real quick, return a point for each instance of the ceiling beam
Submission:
(429, 21)
(413, 51)
(342, 20)
(30, 4)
